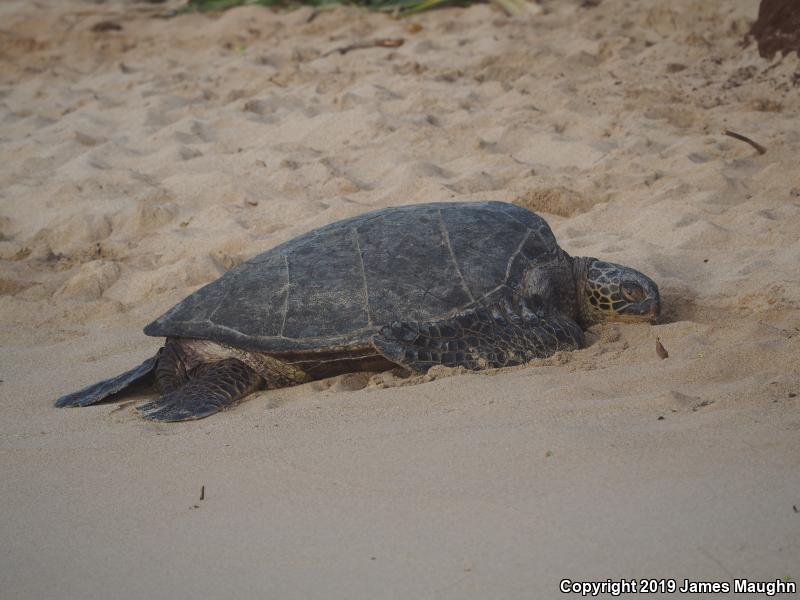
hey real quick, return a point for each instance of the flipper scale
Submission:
(217, 386)
(97, 392)
(478, 339)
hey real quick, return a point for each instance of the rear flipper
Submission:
(212, 388)
(100, 391)
(477, 339)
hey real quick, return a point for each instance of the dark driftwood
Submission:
(777, 28)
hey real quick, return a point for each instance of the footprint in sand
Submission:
(556, 201)
(91, 280)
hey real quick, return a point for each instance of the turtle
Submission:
(462, 284)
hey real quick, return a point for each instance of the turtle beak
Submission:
(655, 302)
(653, 309)
(648, 309)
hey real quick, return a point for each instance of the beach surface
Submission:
(143, 156)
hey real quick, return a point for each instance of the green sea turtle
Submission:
(477, 284)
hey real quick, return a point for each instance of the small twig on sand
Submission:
(759, 148)
(202, 492)
(382, 43)
(104, 26)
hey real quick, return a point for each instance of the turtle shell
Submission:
(335, 286)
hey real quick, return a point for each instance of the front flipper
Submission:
(212, 388)
(477, 339)
(96, 392)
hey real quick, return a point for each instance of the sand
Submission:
(137, 164)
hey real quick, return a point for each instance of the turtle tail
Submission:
(101, 390)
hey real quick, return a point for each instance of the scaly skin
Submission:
(478, 339)
(213, 387)
(611, 292)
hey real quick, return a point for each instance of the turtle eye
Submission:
(632, 292)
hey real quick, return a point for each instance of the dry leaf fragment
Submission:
(660, 350)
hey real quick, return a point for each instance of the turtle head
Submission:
(611, 292)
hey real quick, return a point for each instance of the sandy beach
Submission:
(143, 156)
